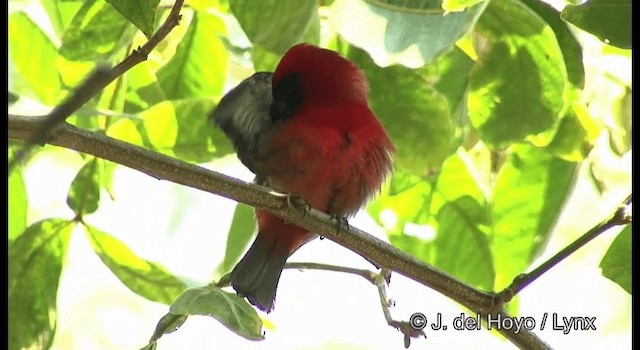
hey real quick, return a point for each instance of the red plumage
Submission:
(318, 140)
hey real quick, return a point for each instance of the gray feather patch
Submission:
(243, 114)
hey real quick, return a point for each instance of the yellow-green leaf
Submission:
(84, 193)
(141, 13)
(517, 88)
(35, 264)
(143, 277)
(229, 309)
(17, 205)
(609, 20)
(33, 55)
(616, 264)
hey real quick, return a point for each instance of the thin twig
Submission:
(366, 274)
(96, 82)
(620, 217)
(408, 329)
(381, 281)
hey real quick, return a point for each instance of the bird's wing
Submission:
(243, 114)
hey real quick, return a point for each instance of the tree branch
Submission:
(174, 170)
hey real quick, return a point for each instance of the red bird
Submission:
(306, 129)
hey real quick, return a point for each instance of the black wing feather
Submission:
(243, 114)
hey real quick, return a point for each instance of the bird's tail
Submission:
(257, 274)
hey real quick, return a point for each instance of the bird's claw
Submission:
(295, 201)
(341, 222)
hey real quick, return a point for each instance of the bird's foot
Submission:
(296, 202)
(341, 222)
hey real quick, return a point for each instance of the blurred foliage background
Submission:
(501, 111)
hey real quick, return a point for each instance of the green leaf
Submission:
(458, 5)
(413, 113)
(74, 73)
(204, 5)
(405, 201)
(312, 36)
(35, 265)
(576, 135)
(161, 127)
(461, 223)
(229, 309)
(61, 12)
(200, 64)
(107, 170)
(530, 190)
(150, 346)
(144, 278)
(243, 227)
(17, 206)
(181, 129)
(620, 132)
(449, 74)
(517, 88)
(13, 98)
(34, 58)
(86, 117)
(616, 263)
(96, 32)
(110, 101)
(169, 323)
(442, 222)
(84, 193)
(609, 20)
(18, 85)
(141, 13)
(129, 131)
(263, 59)
(409, 5)
(571, 49)
(455, 181)
(461, 246)
(410, 33)
(275, 25)
(143, 89)
(402, 181)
